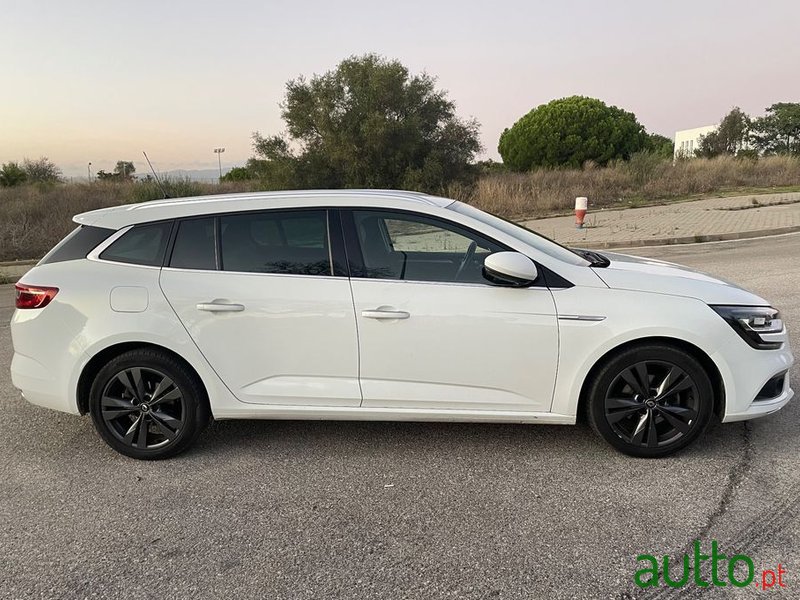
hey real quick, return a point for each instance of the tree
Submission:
(11, 174)
(124, 169)
(42, 170)
(239, 174)
(570, 131)
(778, 132)
(367, 123)
(660, 145)
(730, 137)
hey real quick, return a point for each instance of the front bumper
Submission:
(748, 372)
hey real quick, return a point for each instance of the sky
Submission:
(101, 81)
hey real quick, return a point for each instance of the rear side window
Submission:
(141, 245)
(77, 244)
(289, 242)
(195, 245)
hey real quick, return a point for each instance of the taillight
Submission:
(34, 296)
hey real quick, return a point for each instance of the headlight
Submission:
(755, 324)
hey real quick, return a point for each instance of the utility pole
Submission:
(218, 152)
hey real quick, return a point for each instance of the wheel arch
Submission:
(92, 368)
(704, 359)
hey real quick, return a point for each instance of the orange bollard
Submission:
(581, 204)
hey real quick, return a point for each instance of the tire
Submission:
(653, 419)
(147, 405)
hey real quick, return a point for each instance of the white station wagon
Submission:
(379, 305)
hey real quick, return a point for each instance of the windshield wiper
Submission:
(595, 258)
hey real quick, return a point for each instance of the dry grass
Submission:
(643, 179)
(33, 218)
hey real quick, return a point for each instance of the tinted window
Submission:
(77, 244)
(414, 247)
(292, 242)
(142, 245)
(194, 245)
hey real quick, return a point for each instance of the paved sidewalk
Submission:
(684, 222)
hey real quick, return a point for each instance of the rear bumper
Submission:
(39, 385)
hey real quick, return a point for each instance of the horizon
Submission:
(181, 79)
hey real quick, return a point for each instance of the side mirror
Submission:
(510, 269)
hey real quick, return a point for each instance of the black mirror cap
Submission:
(500, 279)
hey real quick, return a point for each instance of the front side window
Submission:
(287, 242)
(140, 245)
(417, 248)
(523, 234)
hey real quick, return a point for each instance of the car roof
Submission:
(116, 217)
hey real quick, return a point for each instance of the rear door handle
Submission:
(384, 313)
(215, 306)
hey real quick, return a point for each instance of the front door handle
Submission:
(215, 306)
(384, 313)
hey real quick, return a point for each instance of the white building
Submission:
(688, 140)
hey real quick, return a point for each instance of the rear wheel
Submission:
(147, 405)
(651, 401)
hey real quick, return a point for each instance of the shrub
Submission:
(570, 131)
(12, 174)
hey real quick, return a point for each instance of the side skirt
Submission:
(337, 413)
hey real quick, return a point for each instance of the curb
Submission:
(689, 239)
(10, 272)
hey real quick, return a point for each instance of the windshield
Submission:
(523, 234)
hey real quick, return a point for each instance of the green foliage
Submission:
(367, 123)
(660, 145)
(12, 174)
(646, 165)
(489, 166)
(569, 132)
(729, 138)
(778, 132)
(123, 171)
(41, 170)
(239, 174)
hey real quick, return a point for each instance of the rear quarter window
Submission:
(141, 245)
(77, 244)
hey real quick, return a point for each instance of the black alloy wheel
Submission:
(143, 408)
(651, 401)
(147, 404)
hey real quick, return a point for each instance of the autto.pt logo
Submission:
(704, 570)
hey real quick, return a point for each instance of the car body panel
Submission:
(461, 347)
(630, 316)
(294, 342)
(659, 277)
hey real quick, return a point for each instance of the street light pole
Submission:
(218, 152)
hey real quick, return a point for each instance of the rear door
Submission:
(269, 306)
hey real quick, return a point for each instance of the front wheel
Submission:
(147, 405)
(651, 401)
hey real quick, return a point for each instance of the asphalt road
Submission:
(374, 510)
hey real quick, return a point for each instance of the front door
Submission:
(433, 333)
